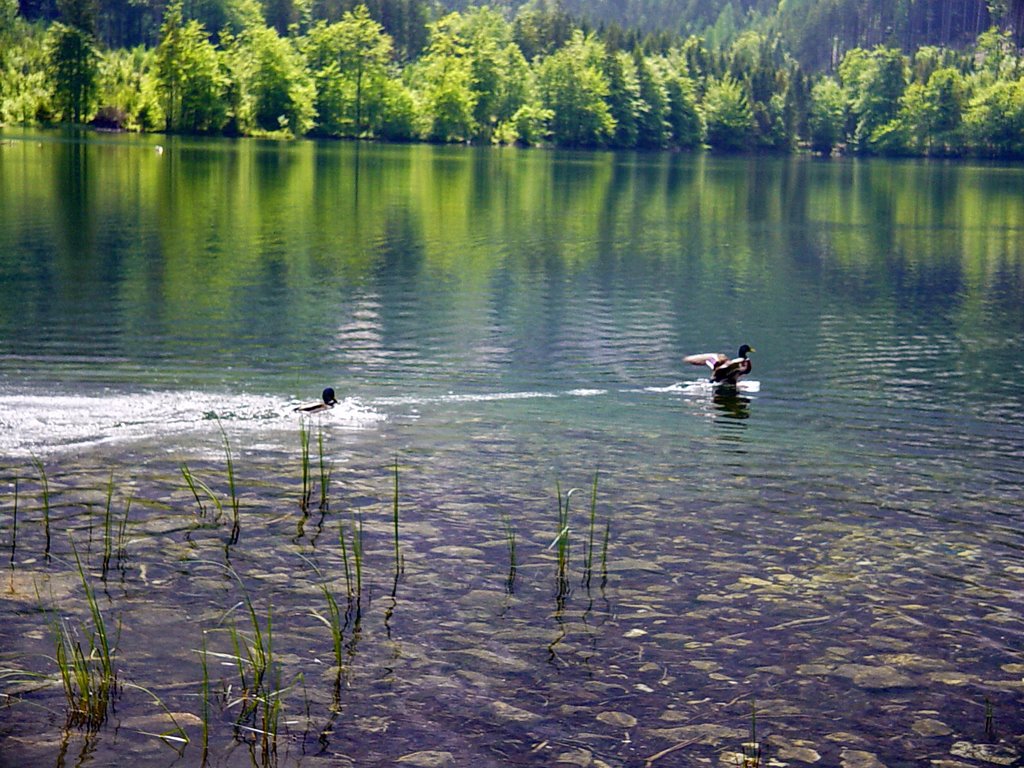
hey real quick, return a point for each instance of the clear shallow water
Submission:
(842, 548)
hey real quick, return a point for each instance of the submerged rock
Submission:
(510, 713)
(875, 678)
(856, 758)
(928, 726)
(428, 759)
(997, 754)
(580, 757)
(618, 719)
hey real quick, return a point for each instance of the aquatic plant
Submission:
(307, 490)
(14, 524)
(108, 543)
(261, 694)
(561, 542)
(399, 561)
(122, 532)
(751, 755)
(354, 567)
(604, 552)
(88, 678)
(231, 484)
(990, 724)
(336, 621)
(510, 541)
(204, 698)
(175, 737)
(195, 485)
(109, 539)
(325, 470)
(45, 486)
(589, 560)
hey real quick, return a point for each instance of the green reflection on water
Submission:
(839, 549)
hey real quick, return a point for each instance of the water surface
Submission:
(840, 551)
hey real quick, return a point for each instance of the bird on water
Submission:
(725, 370)
(327, 401)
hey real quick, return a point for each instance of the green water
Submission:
(840, 549)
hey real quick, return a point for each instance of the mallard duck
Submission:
(327, 402)
(724, 370)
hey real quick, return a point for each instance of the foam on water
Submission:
(31, 423)
(703, 387)
(485, 397)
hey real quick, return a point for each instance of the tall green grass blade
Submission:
(344, 560)
(399, 563)
(231, 478)
(122, 533)
(108, 540)
(510, 541)
(604, 553)
(205, 702)
(325, 470)
(307, 491)
(14, 524)
(45, 485)
(175, 737)
(589, 561)
(195, 485)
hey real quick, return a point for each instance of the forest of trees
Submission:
(914, 77)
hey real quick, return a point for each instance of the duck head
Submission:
(328, 396)
(745, 350)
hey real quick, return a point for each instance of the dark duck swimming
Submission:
(326, 402)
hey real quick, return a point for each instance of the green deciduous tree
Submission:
(349, 61)
(827, 118)
(128, 90)
(686, 124)
(573, 86)
(277, 93)
(994, 119)
(191, 79)
(730, 120)
(933, 112)
(446, 73)
(875, 82)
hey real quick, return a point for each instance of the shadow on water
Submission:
(731, 405)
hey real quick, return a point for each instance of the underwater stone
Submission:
(875, 678)
(800, 751)
(580, 757)
(513, 714)
(428, 759)
(855, 758)
(617, 719)
(997, 754)
(927, 726)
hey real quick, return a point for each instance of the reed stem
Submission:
(325, 470)
(589, 562)
(510, 541)
(45, 484)
(231, 477)
(14, 530)
(307, 491)
(108, 540)
(205, 693)
(399, 561)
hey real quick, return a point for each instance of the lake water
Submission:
(839, 553)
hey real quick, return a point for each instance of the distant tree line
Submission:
(393, 70)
